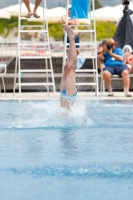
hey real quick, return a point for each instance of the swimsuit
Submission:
(127, 63)
(64, 94)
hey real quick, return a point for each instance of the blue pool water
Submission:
(48, 155)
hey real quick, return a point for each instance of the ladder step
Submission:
(31, 48)
(84, 43)
(56, 75)
(85, 31)
(90, 57)
(35, 70)
(37, 44)
(34, 57)
(36, 75)
(91, 83)
(36, 84)
(86, 70)
(31, 26)
(32, 18)
(32, 31)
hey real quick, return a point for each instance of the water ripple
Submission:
(78, 171)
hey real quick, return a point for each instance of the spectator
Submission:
(113, 60)
(37, 3)
(128, 58)
(72, 23)
(102, 48)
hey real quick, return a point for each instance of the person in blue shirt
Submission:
(113, 59)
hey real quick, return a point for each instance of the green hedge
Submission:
(6, 25)
(104, 29)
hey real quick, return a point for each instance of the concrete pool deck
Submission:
(56, 95)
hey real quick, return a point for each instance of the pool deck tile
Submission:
(51, 96)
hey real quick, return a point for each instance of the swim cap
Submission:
(128, 47)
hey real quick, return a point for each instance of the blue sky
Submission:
(54, 3)
(110, 2)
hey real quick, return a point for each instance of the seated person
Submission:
(27, 3)
(128, 58)
(113, 60)
(102, 48)
(71, 22)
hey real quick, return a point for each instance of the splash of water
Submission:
(46, 114)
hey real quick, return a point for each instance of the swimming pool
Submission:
(46, 154)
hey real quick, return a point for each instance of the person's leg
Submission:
(131, 69)
(68, 79)
(123, 72)
(107, 79)
(71, 63)
(28, 8)
(126, 80)
(63, 80)
(37, 3)
(100, 65)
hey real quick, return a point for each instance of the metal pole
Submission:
(65, 39)
(19, 46)
(93, 8)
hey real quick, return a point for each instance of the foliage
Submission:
(97, 4)
(105, 29)
(1, 28)
(55, 30)
(6, 25)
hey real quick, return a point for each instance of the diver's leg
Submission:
(70, 84)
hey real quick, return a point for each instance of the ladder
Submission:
(39, 50)
(89, 46)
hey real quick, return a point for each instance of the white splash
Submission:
(49, 114)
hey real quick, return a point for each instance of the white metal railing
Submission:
(33, 50)
(2, 73)
(8, 49)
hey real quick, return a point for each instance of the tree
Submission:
(97, 4)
